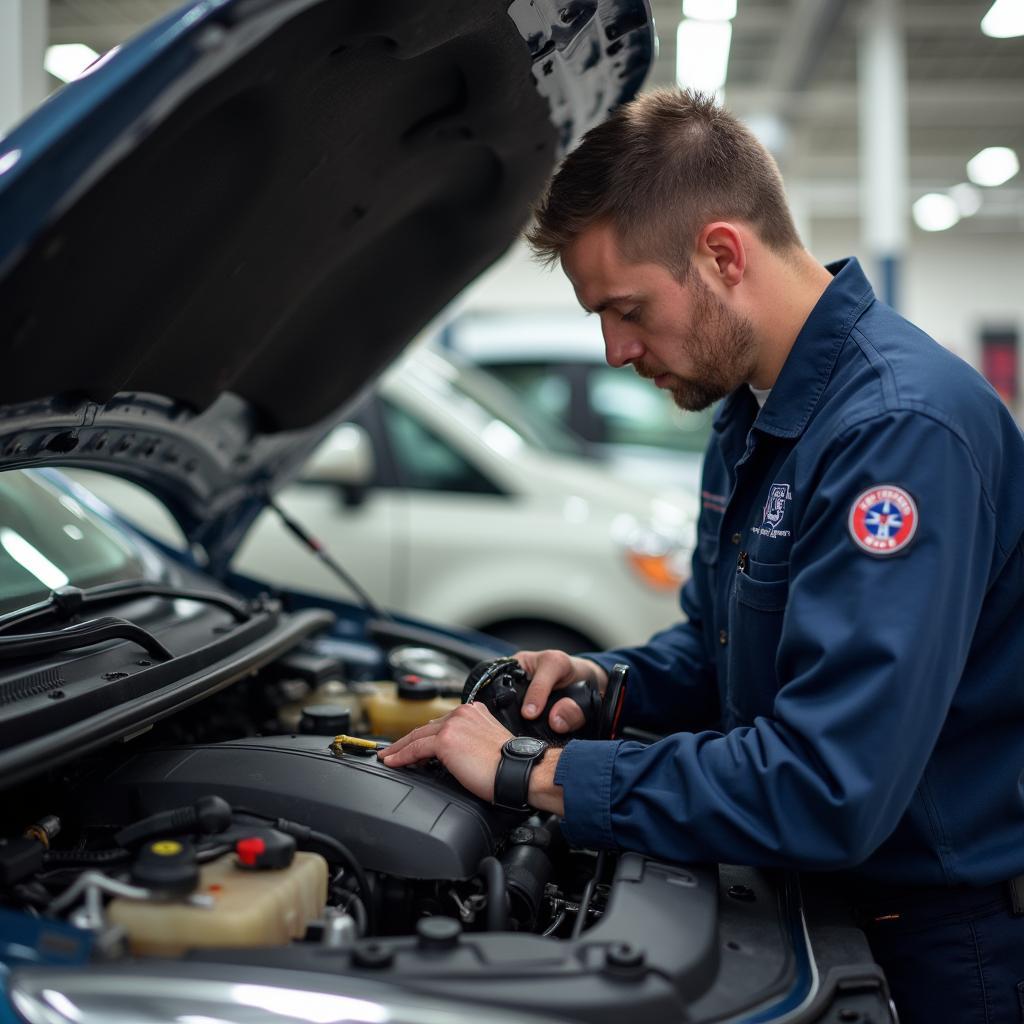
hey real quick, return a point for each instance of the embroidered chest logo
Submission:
(774, 512)
(883, 519)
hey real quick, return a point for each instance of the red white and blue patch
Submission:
(883, 520)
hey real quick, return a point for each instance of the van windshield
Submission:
(536, 427)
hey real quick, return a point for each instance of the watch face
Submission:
(525, 746)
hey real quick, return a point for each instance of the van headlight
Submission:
(657, 552)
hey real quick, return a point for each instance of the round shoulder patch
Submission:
(883, 519)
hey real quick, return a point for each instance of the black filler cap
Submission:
(324, 720)
(413, 687)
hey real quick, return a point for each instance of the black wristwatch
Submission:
(512, 779)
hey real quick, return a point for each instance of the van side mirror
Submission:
(344, 459)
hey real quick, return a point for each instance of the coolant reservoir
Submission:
(334, 693)
(249, 908)
(392, 709)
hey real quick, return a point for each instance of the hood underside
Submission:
(222, 233)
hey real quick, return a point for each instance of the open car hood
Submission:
(217, 237)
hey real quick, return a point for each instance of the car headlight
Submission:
(111, 996)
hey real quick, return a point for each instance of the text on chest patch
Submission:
(779, 497)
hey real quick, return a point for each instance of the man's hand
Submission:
(467, 741)
(552, 670)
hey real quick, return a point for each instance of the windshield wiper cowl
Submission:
(69, 601)
(82, 634)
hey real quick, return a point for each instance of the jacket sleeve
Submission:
(870, 654)
(671, 682)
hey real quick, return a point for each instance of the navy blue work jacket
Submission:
(848, 686)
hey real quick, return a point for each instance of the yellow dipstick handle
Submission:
(355, 745)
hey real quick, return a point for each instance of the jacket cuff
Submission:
(603, 658)
(584, 772)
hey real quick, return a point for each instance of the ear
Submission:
(725, 255)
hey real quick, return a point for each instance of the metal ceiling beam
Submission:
(800, 44)
(968, 100)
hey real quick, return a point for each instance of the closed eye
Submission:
(632, 316)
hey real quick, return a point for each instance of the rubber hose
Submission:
(588, 894)
(493, 875)
(343, 854)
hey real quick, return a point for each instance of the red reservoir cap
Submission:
(250, 850)
(265, 850)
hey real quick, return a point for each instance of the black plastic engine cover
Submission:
(413, 823)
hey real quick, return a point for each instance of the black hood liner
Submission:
(294, 221)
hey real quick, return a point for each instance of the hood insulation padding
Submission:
(292, 222)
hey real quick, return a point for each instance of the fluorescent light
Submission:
(9, 159)
(967, 199)
(31, 559)
(1005, 19)
(67, 61)
(702, 54)
(935, 212)
(710, 10)
(993, 166)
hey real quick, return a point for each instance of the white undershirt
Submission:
(761, 394)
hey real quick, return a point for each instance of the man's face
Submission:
(680, 335)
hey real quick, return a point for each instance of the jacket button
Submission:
(723, 637)
(737, 537)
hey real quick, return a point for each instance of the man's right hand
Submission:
(553, 670)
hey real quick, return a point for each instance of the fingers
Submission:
(425, 741)
(422, 748)
(566, 715)
(549, 669)
(411, 737)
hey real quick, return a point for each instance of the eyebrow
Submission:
(610, 300)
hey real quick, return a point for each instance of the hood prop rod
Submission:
(317, 547)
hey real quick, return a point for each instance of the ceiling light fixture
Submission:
(67, 61)
(710, 10)
(702, 54)
(1004, 20)
(935, 212)
(993, 166)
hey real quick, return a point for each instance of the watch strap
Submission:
(512, 780)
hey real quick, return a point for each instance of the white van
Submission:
(444, 501)
(555, 362)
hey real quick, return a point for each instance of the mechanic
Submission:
(846, 693)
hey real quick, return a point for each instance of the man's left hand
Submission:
(467, 741)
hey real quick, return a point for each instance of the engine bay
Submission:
(256, 829)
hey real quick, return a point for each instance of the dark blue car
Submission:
(209, 246)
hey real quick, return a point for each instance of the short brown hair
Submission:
(658, 169)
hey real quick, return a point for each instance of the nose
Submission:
(621, 345)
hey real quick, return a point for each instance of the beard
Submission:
(719, 343)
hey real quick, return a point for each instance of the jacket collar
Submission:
(810, 361)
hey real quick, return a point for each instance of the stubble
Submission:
(719, 344)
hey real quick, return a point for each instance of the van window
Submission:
(424, 461)
(634, 412)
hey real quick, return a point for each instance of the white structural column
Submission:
(23, 29)
(882, 84)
